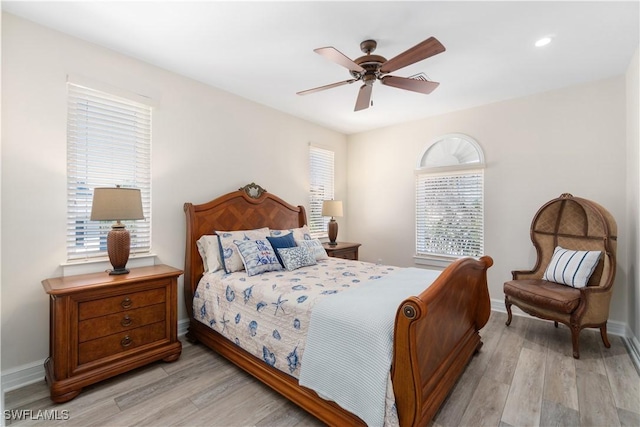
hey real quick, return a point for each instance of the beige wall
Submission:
(205, 143)
(536, 148)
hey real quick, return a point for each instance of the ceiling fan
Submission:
(369, 68)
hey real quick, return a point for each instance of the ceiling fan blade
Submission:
(333, 54)
(423, 50)
(318, 89)
(364, 98)
(414, 85)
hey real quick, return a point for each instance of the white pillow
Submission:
(229, 255)
(572, 268)
(315, 247)
(302, 233)
(209, 250)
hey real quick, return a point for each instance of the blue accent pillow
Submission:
(286, 241)
(294, 258)
(257, 256)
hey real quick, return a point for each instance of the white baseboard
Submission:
(33, 372)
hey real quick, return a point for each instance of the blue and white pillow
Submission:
(257, 256)
(301, 233)
(571, 268)
(316, 248)
(229, 255)
(294, 258)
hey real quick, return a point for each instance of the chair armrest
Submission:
(526, 274)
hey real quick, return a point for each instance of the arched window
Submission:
(450, 200)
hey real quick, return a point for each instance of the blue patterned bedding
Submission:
(268, 314)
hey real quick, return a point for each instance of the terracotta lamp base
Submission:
(118, 246)
(333, 232)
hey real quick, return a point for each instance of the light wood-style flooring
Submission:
(524, 375)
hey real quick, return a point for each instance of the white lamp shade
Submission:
(332, 208)
(116, 204)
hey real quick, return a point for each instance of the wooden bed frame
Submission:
(436, 332)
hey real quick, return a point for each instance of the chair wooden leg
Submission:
(575, 340)
(603, 334)
(508, 305)
(555, 324)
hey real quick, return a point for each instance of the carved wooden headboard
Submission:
(248, 208)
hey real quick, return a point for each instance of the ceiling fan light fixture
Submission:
(369, 68)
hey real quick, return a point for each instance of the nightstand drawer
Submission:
(120, 303)
(121, 342)
(98, 327)
(346, 254)
(344, 250)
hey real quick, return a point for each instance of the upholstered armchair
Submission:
(552, 289)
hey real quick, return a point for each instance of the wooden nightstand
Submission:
(102, 325)
(344, 250)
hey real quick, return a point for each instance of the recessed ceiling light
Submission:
(543, 41)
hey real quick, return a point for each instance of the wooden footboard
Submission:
(436, 332)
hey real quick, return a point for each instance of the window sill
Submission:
(434, 261)
(98, 264)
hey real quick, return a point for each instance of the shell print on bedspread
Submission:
(276, 335)
(268, 357)
(230, 294)
(302, 299)
(203, 310)
(253, 327)
(299, 288)
(296, 323)
(247, 294)
(292, 360)
(329, 292)
(260, 305)
(238, 317)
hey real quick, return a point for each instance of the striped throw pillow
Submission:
(572, 268)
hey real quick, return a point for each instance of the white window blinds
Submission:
(321, 188)
(450, 213)
(108, 144)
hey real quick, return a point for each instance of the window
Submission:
(108, 144)
(321, 188)
(450, 199)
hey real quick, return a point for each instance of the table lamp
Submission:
(332, 208)
(117, 204)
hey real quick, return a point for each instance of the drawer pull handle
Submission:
(126, 303)
(126, 341)
(126, 321)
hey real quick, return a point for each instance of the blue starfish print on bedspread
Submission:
(278, 305)
(224, 322)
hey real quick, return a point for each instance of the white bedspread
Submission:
(349, 345)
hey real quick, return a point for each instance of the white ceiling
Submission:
(263, 51)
